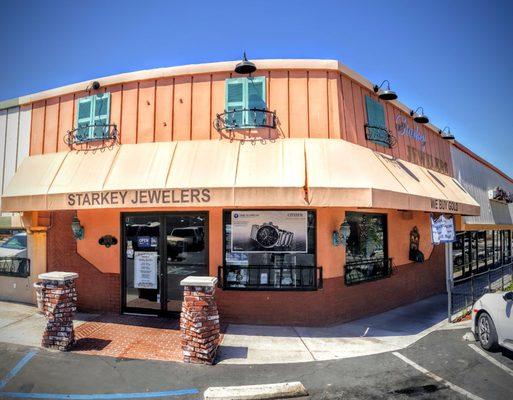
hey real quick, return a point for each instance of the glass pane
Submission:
(366, 240)
(84, 109)
(481, 249)
(458, 255)
(142, 262)
(273, 269)
(187, 253)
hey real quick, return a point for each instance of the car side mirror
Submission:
(508, 296)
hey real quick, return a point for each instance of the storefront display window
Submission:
(269, 250)
(13, 254)
(475, 252)
(366, 248)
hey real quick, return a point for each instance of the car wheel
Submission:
(486, 332)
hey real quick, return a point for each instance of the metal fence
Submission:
(17, 267)
(367, 270)
(465, 291)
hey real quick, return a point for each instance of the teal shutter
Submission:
(101, 115)
(256, 101)
(84, 118)
(376, 117)
(235, 102)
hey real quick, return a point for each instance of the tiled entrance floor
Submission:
(127, 336)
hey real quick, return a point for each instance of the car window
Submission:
(16, 243)
(183, 232)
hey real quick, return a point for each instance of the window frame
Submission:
(317, 280)
(385, 259)
(91, 129)
(368, 99)
(245, 98)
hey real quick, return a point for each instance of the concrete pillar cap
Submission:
(58, 276)
(207, 281)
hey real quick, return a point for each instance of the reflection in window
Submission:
(366, 253)
(13, 254)
(475, 252)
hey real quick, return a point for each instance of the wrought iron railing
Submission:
(380, 135)
(269, 277)
(365, 270)
(104, 134)
(12, 266)
(246, 118)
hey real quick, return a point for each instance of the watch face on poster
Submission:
(267, 235)
(263, 231)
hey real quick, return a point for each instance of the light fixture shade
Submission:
(388, 95)
(419, 116)
(421, 119)
(245, 67)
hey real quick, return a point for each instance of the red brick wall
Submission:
(97, 291)
(336, 302)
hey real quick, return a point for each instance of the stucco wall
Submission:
(99, 270)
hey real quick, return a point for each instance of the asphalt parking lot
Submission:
(441, 365)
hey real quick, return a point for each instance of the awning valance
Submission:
(287, 172)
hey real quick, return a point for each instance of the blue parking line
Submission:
(106, 396)
(12, 373)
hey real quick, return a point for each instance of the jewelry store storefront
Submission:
(304, 189)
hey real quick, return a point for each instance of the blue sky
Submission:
(454, 58)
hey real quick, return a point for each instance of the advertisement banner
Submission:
(269, 231)
(145, 269)
(442, 229)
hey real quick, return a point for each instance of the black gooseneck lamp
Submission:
(419, 116)
(386, 94)
(446, 133)
(245, 67)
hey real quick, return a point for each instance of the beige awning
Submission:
(286, 172)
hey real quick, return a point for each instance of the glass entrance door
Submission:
(142, 259)
(186, 242)
(159, 250)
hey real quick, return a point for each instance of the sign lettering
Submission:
(444, 205)
(137, 197)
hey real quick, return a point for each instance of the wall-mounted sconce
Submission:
(419, 116)
(386, 94)
(245, 67)
(341, 235)
(446, 133)
(78, 230)
(107, 241)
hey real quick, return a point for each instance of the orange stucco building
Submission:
(304, 192)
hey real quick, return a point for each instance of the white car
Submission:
(15, 246)
(492, 320)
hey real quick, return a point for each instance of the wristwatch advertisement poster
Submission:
(262, 231)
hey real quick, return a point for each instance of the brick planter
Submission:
(59, 305)
(199, 320)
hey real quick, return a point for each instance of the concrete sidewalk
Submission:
(22, 324)
(389, 331)
(254, 344)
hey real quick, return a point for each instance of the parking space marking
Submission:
(100, 396)
(437, 378)
(17, 368)
(491, 359)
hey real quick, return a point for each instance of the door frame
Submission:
(162, 276)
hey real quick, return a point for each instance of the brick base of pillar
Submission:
(199, 324)
(59, 306)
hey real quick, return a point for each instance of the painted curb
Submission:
(257, 392)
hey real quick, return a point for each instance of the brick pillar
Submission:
(199, 320)
(59, 305)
